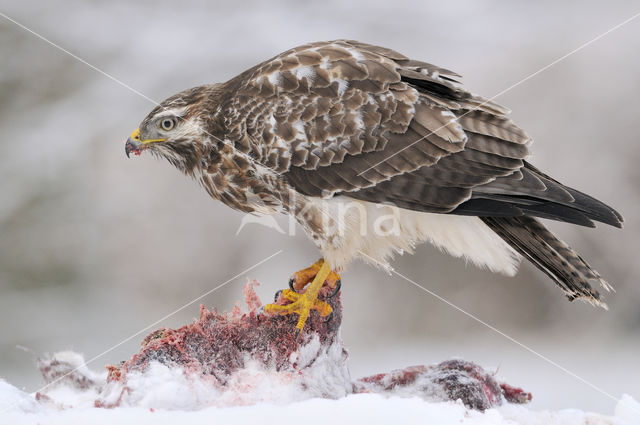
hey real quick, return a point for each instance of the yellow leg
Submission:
(302, 304)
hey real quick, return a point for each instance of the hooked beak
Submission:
(135, 145)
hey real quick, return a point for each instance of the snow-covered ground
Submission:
(316, 391)
(17, 407)
(313, 385)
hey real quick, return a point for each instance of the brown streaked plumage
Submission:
(328, 125)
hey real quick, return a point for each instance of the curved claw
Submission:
(335, 291)
(277, 295)
(291, 282)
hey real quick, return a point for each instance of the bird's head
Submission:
(174, 130)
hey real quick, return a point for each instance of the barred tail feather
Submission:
(555, 258)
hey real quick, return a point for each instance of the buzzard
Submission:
(373, 152)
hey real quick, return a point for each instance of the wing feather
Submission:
(327, 102)
(352, 119)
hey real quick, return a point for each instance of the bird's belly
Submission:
(375, 232)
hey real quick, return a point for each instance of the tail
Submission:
(555, 258)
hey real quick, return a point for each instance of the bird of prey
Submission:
(373, 152)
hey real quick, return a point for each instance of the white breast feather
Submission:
(376, 232)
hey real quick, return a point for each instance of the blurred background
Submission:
(95, 247)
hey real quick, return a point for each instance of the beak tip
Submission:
(132, 146)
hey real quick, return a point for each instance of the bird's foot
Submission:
(300, 304)
(301, 278)
(303, 303)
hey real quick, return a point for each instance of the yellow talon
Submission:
(302, 304)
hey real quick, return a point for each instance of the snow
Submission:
(167, 395)
(17, 407)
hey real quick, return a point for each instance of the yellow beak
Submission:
(136, 136)
(135, 145)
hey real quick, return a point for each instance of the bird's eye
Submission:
(167, 124)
